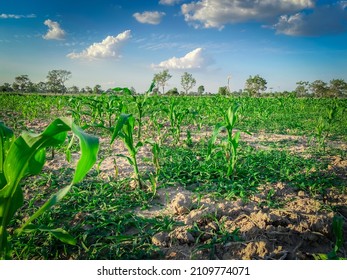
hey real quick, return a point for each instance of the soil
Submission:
(297, 230)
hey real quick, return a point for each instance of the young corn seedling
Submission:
(125, 131)
(176, 119)
(231, 144)
(140, 102)
(323, 127)
(24, 156)
(155, 160)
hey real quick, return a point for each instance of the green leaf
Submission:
(6, 139)
(338, 232)
(124, 90)
(54, 199)
(152, 86)
(128, 158)
(138, 146)
(89, 150)
(58, 233)
(122, 120)
(218, 127)
(63, 236)
(26, 156)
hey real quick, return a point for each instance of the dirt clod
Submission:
(181, 204)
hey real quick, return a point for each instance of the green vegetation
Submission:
(25, 156)
(197, 143)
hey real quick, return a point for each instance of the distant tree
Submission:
(223, 90)
(187, 81)
(319, 88)
(73, 89)
(21, 83)
(201, 89)
(6, 87)
(337, 87)
(82, 90)
(56, 80)
(161, 78)
(32, 87)
(41, 87)
(97, 89)
(255, 85)
(302, 88)
(173, 91)
(88, 89)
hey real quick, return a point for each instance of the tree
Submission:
(319, 88)
(201, 89)
(97, 89)
(302, 88)
(6, 87)
(223, 90)
(21, 83)
(337, 87)
(255, 85)
(88, 89)
(173, 91)
(161, 78)
(41, 87)
(74, 89)
(56, 80)
(187, 81)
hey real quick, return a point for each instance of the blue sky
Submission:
(125, 42)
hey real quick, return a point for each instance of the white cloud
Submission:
(149, 17)
(54, 31)
(169, 2)
(217, 13)
(323, 20)
(192, 60)
(108, 48)
(6, 16)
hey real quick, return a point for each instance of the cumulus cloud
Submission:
(322, 20)
(169, 2)
(217, 13)
(149, 17)
(192, 60)
(54, 31)
(6, 16)
(108, 48)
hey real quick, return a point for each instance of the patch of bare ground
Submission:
(297, 230)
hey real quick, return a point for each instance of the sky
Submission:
(124, 43)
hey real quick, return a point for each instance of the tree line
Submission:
(254, 86)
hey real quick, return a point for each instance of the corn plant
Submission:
(232, 142)
(24, 156)
(159, 127)
(124, 130)
(140, 102)
(323, 127)
(176, 117)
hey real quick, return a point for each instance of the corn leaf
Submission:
(122, 120)
(26, 156)
(6, 139)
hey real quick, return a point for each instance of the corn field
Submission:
(124, 176)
